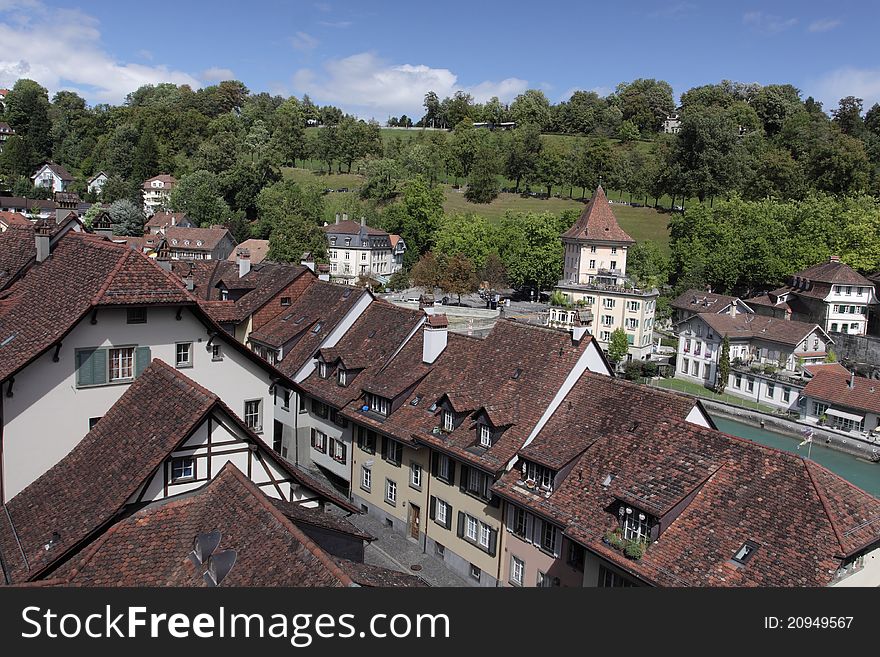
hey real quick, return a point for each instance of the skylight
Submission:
(7, 340)
(415, 400)
(317, 328)
(516, 374)
(745, 553)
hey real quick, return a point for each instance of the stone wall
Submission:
(860, 352)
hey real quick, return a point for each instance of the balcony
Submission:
(627, 288)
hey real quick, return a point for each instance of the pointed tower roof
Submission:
(597, 222)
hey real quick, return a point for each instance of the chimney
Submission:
(164, 262)
(426, 304)
(189, 282)
(345, 216)
(834, 258)
(852, 380)
(732, 310)
(42, 233)
(337, 217)
(308, 261)
(243, 257)
(434, 339)
(363, 221)
(578, 333)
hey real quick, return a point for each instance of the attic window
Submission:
(300, 320)
(431, 409)
(448, 421)
(346, 294)
(317, 328)
(516, 374)
(415, 400)
(372, 334)
(607, 480)
(322, 370)
(632, 427)
(199, 242)
(341, 376)
(285, 301)
(485, 435)
(745, 553)
(636, 525)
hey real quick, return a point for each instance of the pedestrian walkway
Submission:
(394, 551)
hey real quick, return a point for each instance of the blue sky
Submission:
(379, 58)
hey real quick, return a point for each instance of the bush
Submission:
(614, 539)
(399, 281)
(634, 549)
(769, 369)
(632, 371)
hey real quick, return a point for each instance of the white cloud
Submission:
(366, 83)
(61, 49)
(824, 24)
(216, 74)
(303, 41)
(767, 23)
(859, 82)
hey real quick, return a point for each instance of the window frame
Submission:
(130, 318)
(183, 478)
(259, 414)
(189, 361)
(366, 479)
(390, 492)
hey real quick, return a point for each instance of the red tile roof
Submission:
(165, 219)
(14, 219)
(597, 222)
(376, 577)
(152, 547)
(697, 301)
(833, 387)
(17, 252)
(258, 249)
(210, 238)
(169, 181)
(352, 228)
(150, 420)
(750, 326)
(83, 272)
(833, 272)
(713, 493)
(57, 169)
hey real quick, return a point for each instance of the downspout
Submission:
(428, 498)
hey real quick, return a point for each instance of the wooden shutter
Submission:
(493, 541)
(463, 478)
(451, 471)
(142, 358)
(84, 363)
(448, 516)
(385, 448)
(99, 366)
(433, 508)
(435, 463)
(460, 529)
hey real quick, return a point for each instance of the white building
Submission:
(354, 250)
(96, 183)
(157, 193)
(54, 176)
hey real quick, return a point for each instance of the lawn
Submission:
(323, 179)
(698, 390)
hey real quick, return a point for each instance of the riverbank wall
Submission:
(849, 444)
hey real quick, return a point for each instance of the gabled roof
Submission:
(200, 239)
(169, 181)
(832, 386)
(597, 222)
(697, 301)
(258, 249)
(353, 228)
(13, 219)
(369, 344)
(57, 169)
(83, 272)
(321, 303)
(598, 406)
(96, 176)
(833, 271)
(17, 252)
(750, 326)
(166, 219)
(157, 413)
(152, 546)
(713, 493)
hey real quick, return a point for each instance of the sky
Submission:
(377, 59)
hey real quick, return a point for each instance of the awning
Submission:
(846, 416)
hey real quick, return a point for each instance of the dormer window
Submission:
(341, 376)
(636, 524)
(448, 421)
(378, 404)
(485, 435)
(541, 476)
(322, 369)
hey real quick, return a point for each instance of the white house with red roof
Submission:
(157, 193)
(355, 250)
(53, 176)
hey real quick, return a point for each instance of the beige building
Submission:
(594, 278)
(354, 250)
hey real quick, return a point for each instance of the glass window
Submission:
(366, 479)
(122, 364)
(136, 316)
(253, 414)
(517, 570)
(183, 357)
(471, 528)
(390, 491)
(635, 525)
(216, 352)
(448, 421)
(415, 475)
(183, 468)
(485, 436)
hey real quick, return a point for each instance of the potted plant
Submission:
(823, 419)
(614, 539)
(634, 549)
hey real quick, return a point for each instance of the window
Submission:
(592, 264)
(253, 415)
(92, 422)
(545, 581)
(542, 476)
(770, 390)
(393, 451)
(136, 316)
(445, 468)
(320, 408)
(366, 479)
(635, 525)
(633, 306)
(485, 436)
(786, 394)
(338, 451)
(366, 440)
(520, 522)
(737, 380)
(745, 552)
(415, 475)
(439, 549)
(322, 369)
(319, 441)
(750, 384)
(378, 405)
(608, 303)
(613, 265)
(607, 320)
(448, 421)
(592, 249)
(285, 400)
(517, 570)
(285, 301)
(605, 336)
(613, 250)
(442, 513)
(216, 352)
(390, 491)
(475, 572)
(819, 408)
(183, 354)
(632, 323)
(183, 468)
(610, 579)
(341, 377)
(478, 533)
(122, 364)
(684, 365)
(576, 556)
(302, 404)
(549, 536)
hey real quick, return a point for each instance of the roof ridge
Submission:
(824, 503)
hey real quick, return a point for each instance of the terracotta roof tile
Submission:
(746, 325)
(833, 272)
(698, 301)
(17, 252)
(597, 222)
(832, 386)
(258, 249)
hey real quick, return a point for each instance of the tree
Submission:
(427, 272)
(618, 346)
(127, 218)
(628, 131)
(292, 235)
(145, 163)
(415, 217)
(471, 235)
(646, 102)
(283, 199)
(399, 280)
(647, 264)
(848, 116)
(493, 272)
(550, 169)
(198, 195)
(288, 133)
(530, 249)
(458, 276)
(27, 112)
(724, 364)
(483, 179)
(521, 153)
(531, 107)
(382, 179)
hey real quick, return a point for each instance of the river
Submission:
(862, 473)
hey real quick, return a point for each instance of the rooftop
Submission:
(833, 386)
(598, 223)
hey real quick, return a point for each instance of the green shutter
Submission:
(460, 528)
(98, 360)
(433, 508)
(84, 375)
(142, 358)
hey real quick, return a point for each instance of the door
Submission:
(414, 517)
